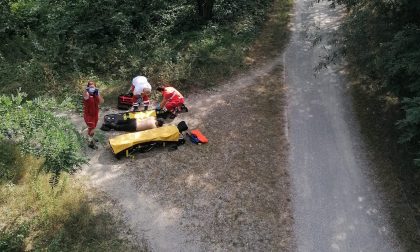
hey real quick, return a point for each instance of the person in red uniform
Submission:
(91, 101)
(172, 99)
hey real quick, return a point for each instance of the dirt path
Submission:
(341, 202)
(229, 195)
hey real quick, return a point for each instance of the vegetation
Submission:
(34, 143)
(380, 41)
(35, 217)
(54, 46)
(32, 127)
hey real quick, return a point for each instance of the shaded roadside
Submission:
(342, 201)
(398, 179)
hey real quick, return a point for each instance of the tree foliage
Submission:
(381, 39)
(205, 9)
(47, 43)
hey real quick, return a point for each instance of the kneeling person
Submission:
(132, 125)
(172, 100)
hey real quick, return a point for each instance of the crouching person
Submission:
(172, 100)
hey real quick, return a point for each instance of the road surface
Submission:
(337, 206)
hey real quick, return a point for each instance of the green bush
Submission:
(410, 125)
(32, 126)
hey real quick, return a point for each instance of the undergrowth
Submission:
(37, 217)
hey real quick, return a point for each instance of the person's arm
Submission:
(101, 100)
(86, 95)
(163, 103)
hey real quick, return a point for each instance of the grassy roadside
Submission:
(395, 172)
(274, 34)
(36, 217)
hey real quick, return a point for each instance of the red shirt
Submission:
(171, 94)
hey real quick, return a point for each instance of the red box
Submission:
(125, 101)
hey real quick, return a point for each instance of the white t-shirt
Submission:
(140, 83)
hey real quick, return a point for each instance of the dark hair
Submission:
(161, 88)
(90, 82)
(159, 122)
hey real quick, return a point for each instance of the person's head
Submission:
(159, 122)
(91, 84)
(160, 88)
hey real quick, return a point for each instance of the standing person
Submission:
(141, 90)
(91, 101)
(172, 99)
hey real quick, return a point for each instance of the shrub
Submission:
(32, 126)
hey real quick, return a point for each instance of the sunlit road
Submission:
(336, 205)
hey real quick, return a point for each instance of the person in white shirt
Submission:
(141, 89)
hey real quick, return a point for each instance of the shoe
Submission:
(92, 145)
(172, 116)
(184, 108)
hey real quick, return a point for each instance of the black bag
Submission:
(182, 126)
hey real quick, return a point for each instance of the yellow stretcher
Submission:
(139, 114)
(130, 141)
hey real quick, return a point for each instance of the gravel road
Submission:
(339, 204)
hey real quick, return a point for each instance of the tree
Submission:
(381, 40)
(205, 9)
